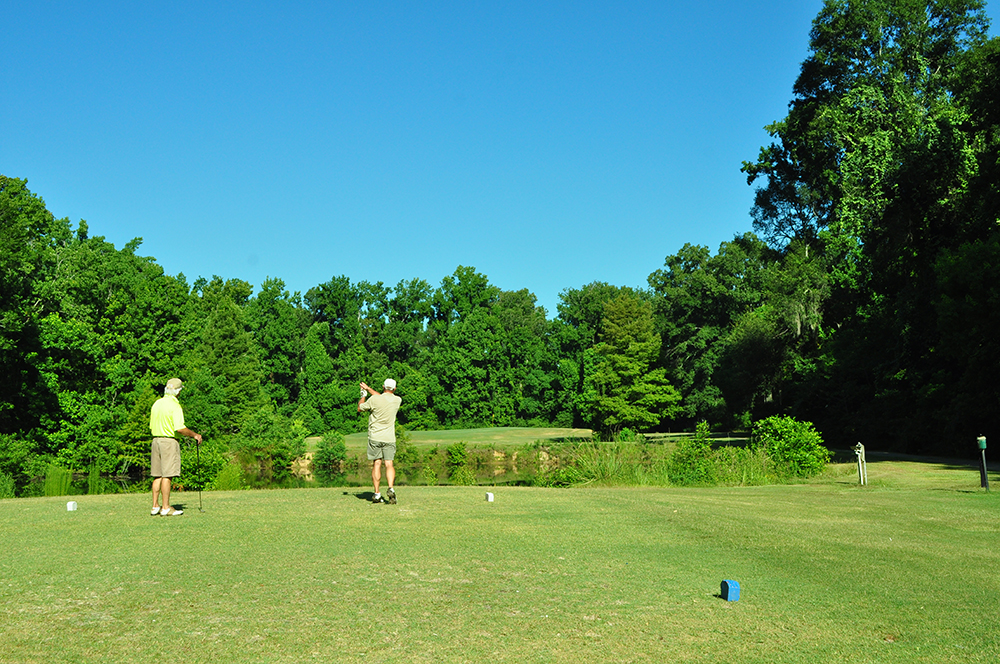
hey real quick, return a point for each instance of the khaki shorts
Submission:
(165, 458)
(379, 450)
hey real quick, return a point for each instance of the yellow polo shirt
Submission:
(166, 417)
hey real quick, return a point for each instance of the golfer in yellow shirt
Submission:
(166, 421)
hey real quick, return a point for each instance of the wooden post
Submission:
(859, 450)
(984, 478)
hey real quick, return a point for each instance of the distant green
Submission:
(505, 436)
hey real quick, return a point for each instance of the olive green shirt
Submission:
(382, 417)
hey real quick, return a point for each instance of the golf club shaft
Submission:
(197, 448)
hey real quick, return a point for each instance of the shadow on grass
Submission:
(366, 496)
(948, 463)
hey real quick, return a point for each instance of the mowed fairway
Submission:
(906, 570)
(492, 436)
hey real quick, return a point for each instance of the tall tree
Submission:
(227, 352)
(622, 386)
(872, 167)
(29, 235)
(577, 329)
(278, 324)
(878, 75)
(697, 299)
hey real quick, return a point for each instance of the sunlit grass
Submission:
(496, 436)
(901, 571)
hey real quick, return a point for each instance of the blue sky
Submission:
(546, 144)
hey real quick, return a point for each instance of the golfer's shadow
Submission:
(364, 495)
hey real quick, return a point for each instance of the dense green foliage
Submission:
(691, 462)
(883, 177)
(330, 459)
(865, 303)
(793, 446)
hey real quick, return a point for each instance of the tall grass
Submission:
(6, 485)
(94, 480)
(621, 463)
(57, 481)
(743, 466)
(691, 461)
(230, 478)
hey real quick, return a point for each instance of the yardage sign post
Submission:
(859, 451)
(984, 479)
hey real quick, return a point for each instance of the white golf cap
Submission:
(389, 384)
(174, 384)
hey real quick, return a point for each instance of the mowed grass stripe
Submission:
(500, 437)
(828, 572)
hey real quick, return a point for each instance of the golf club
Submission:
(197, 451)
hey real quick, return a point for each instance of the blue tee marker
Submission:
(730, 591)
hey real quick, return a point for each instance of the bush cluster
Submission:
(330, 460)
(693, 462)
(794, 447)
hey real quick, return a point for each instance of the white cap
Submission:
(389, 384)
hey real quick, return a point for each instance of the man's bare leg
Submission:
(156, 491)
(377, 474)
(165, 490)
(390, 475)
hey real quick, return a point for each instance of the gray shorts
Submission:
(379, 450)
(164, 458)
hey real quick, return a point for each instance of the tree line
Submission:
(864, 300)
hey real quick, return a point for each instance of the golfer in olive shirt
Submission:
(382, 409)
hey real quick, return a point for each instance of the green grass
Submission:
(901, 571)
(506, 437)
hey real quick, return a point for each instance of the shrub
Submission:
(402, 435)
(406, 452)
(458, 464)
(267, 445)
(626, 435)
(463, 476)
(691, 462)
(200, 465)
(792, 445)
(559, 477)
(331, 456)
(458, 456)
(18, 460)
(428, 475)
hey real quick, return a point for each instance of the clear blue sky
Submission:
(547, 144)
